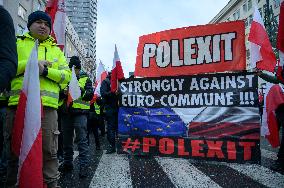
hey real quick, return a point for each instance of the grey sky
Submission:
(121, 22)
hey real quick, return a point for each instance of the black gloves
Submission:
(88, 84)
(89, 91)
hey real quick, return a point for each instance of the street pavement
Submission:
(121, 170)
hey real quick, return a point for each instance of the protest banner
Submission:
(228, 89)
(208, 116)
(192, 50)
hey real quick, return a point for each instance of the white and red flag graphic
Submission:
(101, 74)
(262, 55)
(74, 91)
(27, 135)
(280, 42)
(117, 72)
(273, 97)
(56, 10)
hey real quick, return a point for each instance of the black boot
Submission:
(83, 172)
(110, 150)
(65, 167)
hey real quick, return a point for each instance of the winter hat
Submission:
(38, 15)
(74, 60)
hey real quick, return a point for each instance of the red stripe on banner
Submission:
(29, 171)
(224, 130)
(259, 36)
(237, 130)
(254, 136)
(19, 124)
(216, 127)
(233, 130)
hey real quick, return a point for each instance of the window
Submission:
(264, 9)
(20, 30)
(276, 3)
(246, 23)
(249, 4)
(22, 12)
(277, 18)
(245, 8)
(250, 19)
(234, 16)
(37, 5)
(260, 11)
(248, 54)
(238, 14)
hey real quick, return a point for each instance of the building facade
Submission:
(243, 10)
(20, 10)
(83, 16)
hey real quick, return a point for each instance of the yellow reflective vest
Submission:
(80, 103)
(97, 109)
(58, 73)
(3, 96)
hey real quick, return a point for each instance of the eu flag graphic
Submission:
(150, 121)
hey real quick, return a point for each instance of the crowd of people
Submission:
(62, 123)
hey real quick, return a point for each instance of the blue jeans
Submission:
(79, 124)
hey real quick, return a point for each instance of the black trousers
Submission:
(94, 122)
(280, 119)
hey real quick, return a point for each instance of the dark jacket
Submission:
(8, 50)
(110, 100)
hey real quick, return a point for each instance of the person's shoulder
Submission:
(83, 74)
(106, 81)
(5, 16)
(23, 36)
(23, 39)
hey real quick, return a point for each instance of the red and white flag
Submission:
(74, 91)
(101, 74)
(280, 42)
(56, 10)
(117, 71)
(273, 97)
(27, 134)
(262, 55)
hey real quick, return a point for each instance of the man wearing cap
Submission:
(53, 70)
(75, 118)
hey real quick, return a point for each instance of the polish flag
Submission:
(117, 72)
(280, 42)
(27, 134)
(273, 97)
(74, 91)
(56, 9)
(262, 55)
(101, 74)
